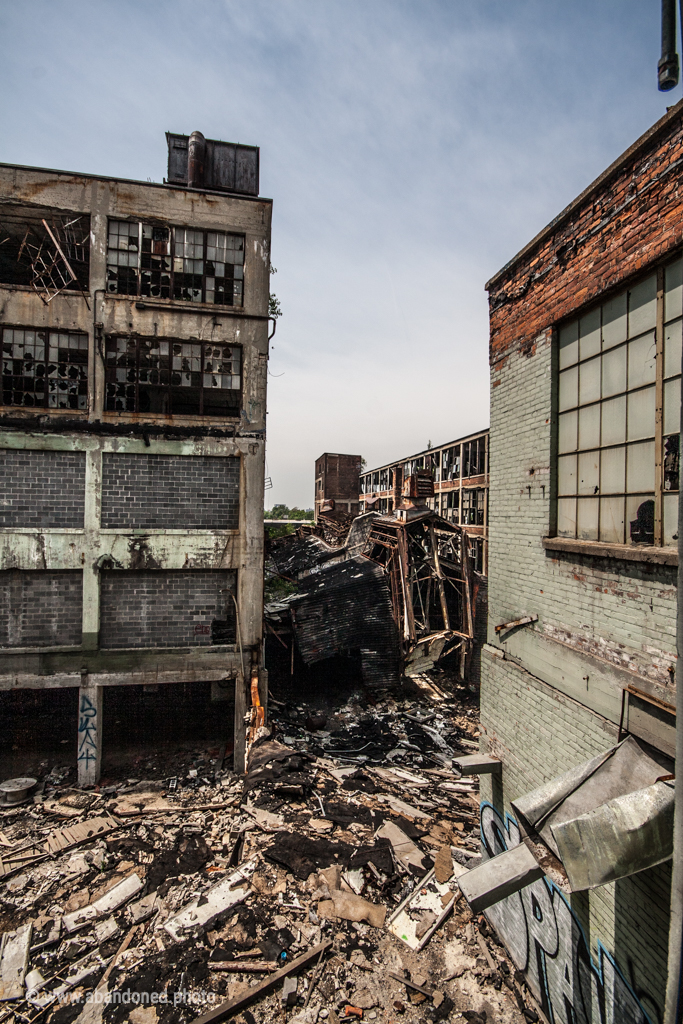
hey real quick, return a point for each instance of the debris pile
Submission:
(322, 885)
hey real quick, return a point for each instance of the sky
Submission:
(411, 148)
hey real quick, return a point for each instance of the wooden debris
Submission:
(239, 1002)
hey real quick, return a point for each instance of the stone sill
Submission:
(621, 552)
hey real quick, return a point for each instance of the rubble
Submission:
(322, 885)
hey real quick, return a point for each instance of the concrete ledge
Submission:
(622, 552)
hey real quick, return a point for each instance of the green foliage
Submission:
(283, 512)
(274, 308)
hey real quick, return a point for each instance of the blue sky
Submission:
(411, 148)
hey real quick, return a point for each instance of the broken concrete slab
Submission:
(112, 900)
(401, 807)
(14, 953)
(215, 901)
(478, 764)
(406, 854)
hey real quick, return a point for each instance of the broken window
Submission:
(168, 376)
(384, 480)
(450, 463)
(613, 360)
(46, 249)
(473, 499)
(474, 457)
(47, 369)
(157, 261)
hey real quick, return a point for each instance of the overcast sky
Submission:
(411, 148)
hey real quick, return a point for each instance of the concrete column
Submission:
(91, 577)
(89, 754)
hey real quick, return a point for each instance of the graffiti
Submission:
(547, 943)
(87, 731)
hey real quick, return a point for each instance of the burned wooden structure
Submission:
(397, 589)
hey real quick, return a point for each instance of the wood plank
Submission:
(239, 1002)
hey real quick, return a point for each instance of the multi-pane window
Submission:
(450, 463)
(474, 457)
(157, 261)
(172, 377)
(619, 416)
(48, 369)
(472, 513)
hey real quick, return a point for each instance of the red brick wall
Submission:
(631, 219)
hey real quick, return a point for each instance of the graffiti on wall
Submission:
(87, 731)
(547, 943)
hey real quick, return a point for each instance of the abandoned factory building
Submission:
(132, 429)
(578, 675)
(455, 483)
(336, 483)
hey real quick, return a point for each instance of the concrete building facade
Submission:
(460, 473)
(336, 480)
(134, 322)
(585, 357)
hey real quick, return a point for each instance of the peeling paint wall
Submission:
(93, 494)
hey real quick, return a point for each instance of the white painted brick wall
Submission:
(624, 612)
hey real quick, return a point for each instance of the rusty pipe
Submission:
(196, 158)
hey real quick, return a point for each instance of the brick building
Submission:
(461, 480)
(336, 480)
(132, 428)
(585, 357)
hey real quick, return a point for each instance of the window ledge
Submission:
(622, 552)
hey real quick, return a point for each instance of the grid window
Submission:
(472, 506)
(48, 369)
(618, 416)
(172, 377)
(159, 262)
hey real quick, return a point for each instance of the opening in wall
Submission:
(169, 376)
(48, 369)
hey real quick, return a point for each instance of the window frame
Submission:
(74, 372)
(167, 293)
(663, 323)
(169, 388)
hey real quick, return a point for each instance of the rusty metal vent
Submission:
(225, 166)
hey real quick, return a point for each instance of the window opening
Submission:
(183, 263)
(47, 369)
(172, 377)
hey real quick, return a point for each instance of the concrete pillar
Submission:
(89, 753)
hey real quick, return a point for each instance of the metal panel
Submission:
(177, 158)
(229, 166)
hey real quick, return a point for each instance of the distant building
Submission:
(336, 480)
(460, 473)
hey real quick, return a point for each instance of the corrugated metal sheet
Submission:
(347, 607)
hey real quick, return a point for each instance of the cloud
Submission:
(410, 148)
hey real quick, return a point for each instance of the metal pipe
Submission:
(196, 154)
(673, 1010)
(667, 66)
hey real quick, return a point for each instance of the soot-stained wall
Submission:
(165, 608)
(40, 608)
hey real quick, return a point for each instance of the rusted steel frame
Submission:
(467, 578)
(407, 589)
(439, 578)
